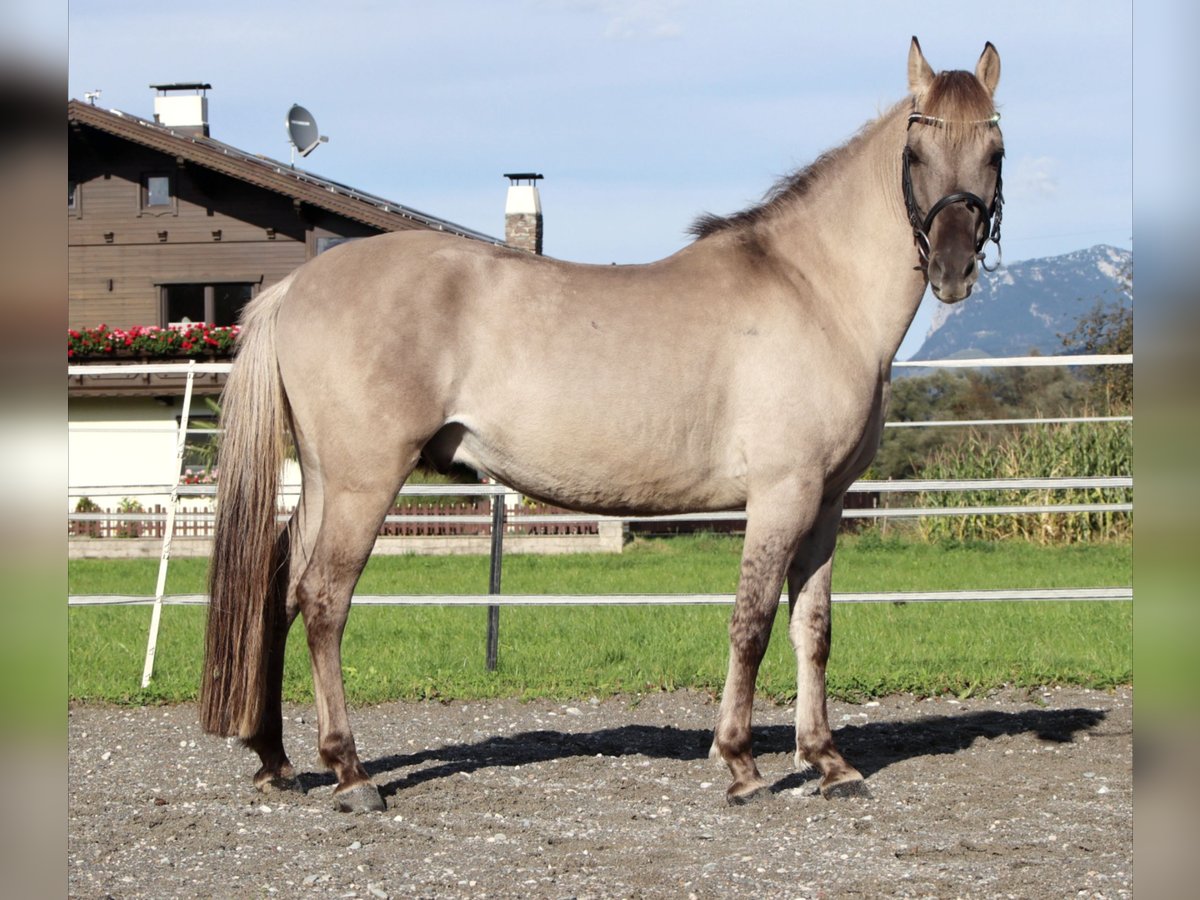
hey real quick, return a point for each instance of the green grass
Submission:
(420, 652)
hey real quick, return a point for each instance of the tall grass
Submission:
(1081, 449)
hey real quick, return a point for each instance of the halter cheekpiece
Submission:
(992, 213)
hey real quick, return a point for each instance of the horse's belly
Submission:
(604, 473)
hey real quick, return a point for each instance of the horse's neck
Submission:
(851, 230)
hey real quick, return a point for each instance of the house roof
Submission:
(263, 172)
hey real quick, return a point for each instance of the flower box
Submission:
(149, 342)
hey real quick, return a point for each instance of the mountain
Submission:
(1026, 305)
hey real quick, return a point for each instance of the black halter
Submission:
(992, 213)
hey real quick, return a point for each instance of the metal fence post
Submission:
(493, 618)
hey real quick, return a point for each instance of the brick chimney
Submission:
(523, 212)
(186, 112)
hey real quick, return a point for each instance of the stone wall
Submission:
(524, 231)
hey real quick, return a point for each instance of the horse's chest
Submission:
(860, 440)
(837, 431)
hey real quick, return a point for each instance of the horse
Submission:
(748, 370)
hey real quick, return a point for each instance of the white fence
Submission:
(493, 600)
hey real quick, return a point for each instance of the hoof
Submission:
(741, 794)
(359, 798)
(283, 780)
(279, 784)
(845, 790)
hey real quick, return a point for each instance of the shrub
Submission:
(130, 529)
(86, 529)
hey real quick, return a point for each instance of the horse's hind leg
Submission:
(276, 772)
(773, 528)
(809, 578)
(295, 545)
(350, 520)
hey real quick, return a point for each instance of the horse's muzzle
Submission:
(953, 266)
(952, 275)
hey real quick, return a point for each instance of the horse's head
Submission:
(951, 170)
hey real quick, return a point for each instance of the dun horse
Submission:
(750, 369)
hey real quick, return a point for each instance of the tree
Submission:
(1107, 328)
(1004, 393)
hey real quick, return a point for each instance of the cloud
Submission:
(631, 19)
(1036, 177)
(642, 18)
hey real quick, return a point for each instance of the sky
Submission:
(641, 114)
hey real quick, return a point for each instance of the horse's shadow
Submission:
(871, 747)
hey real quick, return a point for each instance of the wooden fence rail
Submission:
(452, 517)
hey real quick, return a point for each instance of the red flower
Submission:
(151, 340)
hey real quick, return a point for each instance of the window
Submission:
(215, 304)
(328, 243)
(184, 303)
(158, 190)
(75, 198)
(227, 302)
(157, 196)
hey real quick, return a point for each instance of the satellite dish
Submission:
(302, 131)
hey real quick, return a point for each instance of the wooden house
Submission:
(166, 225)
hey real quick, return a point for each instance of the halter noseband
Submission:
(992, 213)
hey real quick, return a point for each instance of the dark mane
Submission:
(955, 96)
(797, 184)
(783, 192)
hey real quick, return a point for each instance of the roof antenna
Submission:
(90, 96)
(302, 131)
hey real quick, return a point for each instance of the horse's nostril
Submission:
(970, 269)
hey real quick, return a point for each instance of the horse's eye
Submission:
(913, 159)
(994, 162)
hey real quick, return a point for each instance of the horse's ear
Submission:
(920, 74)
(987, 70)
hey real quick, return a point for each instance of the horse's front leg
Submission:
(772, 531)
(809, 578)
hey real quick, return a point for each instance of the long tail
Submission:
(244, 598)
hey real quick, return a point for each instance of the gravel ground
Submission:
(1017, 794)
